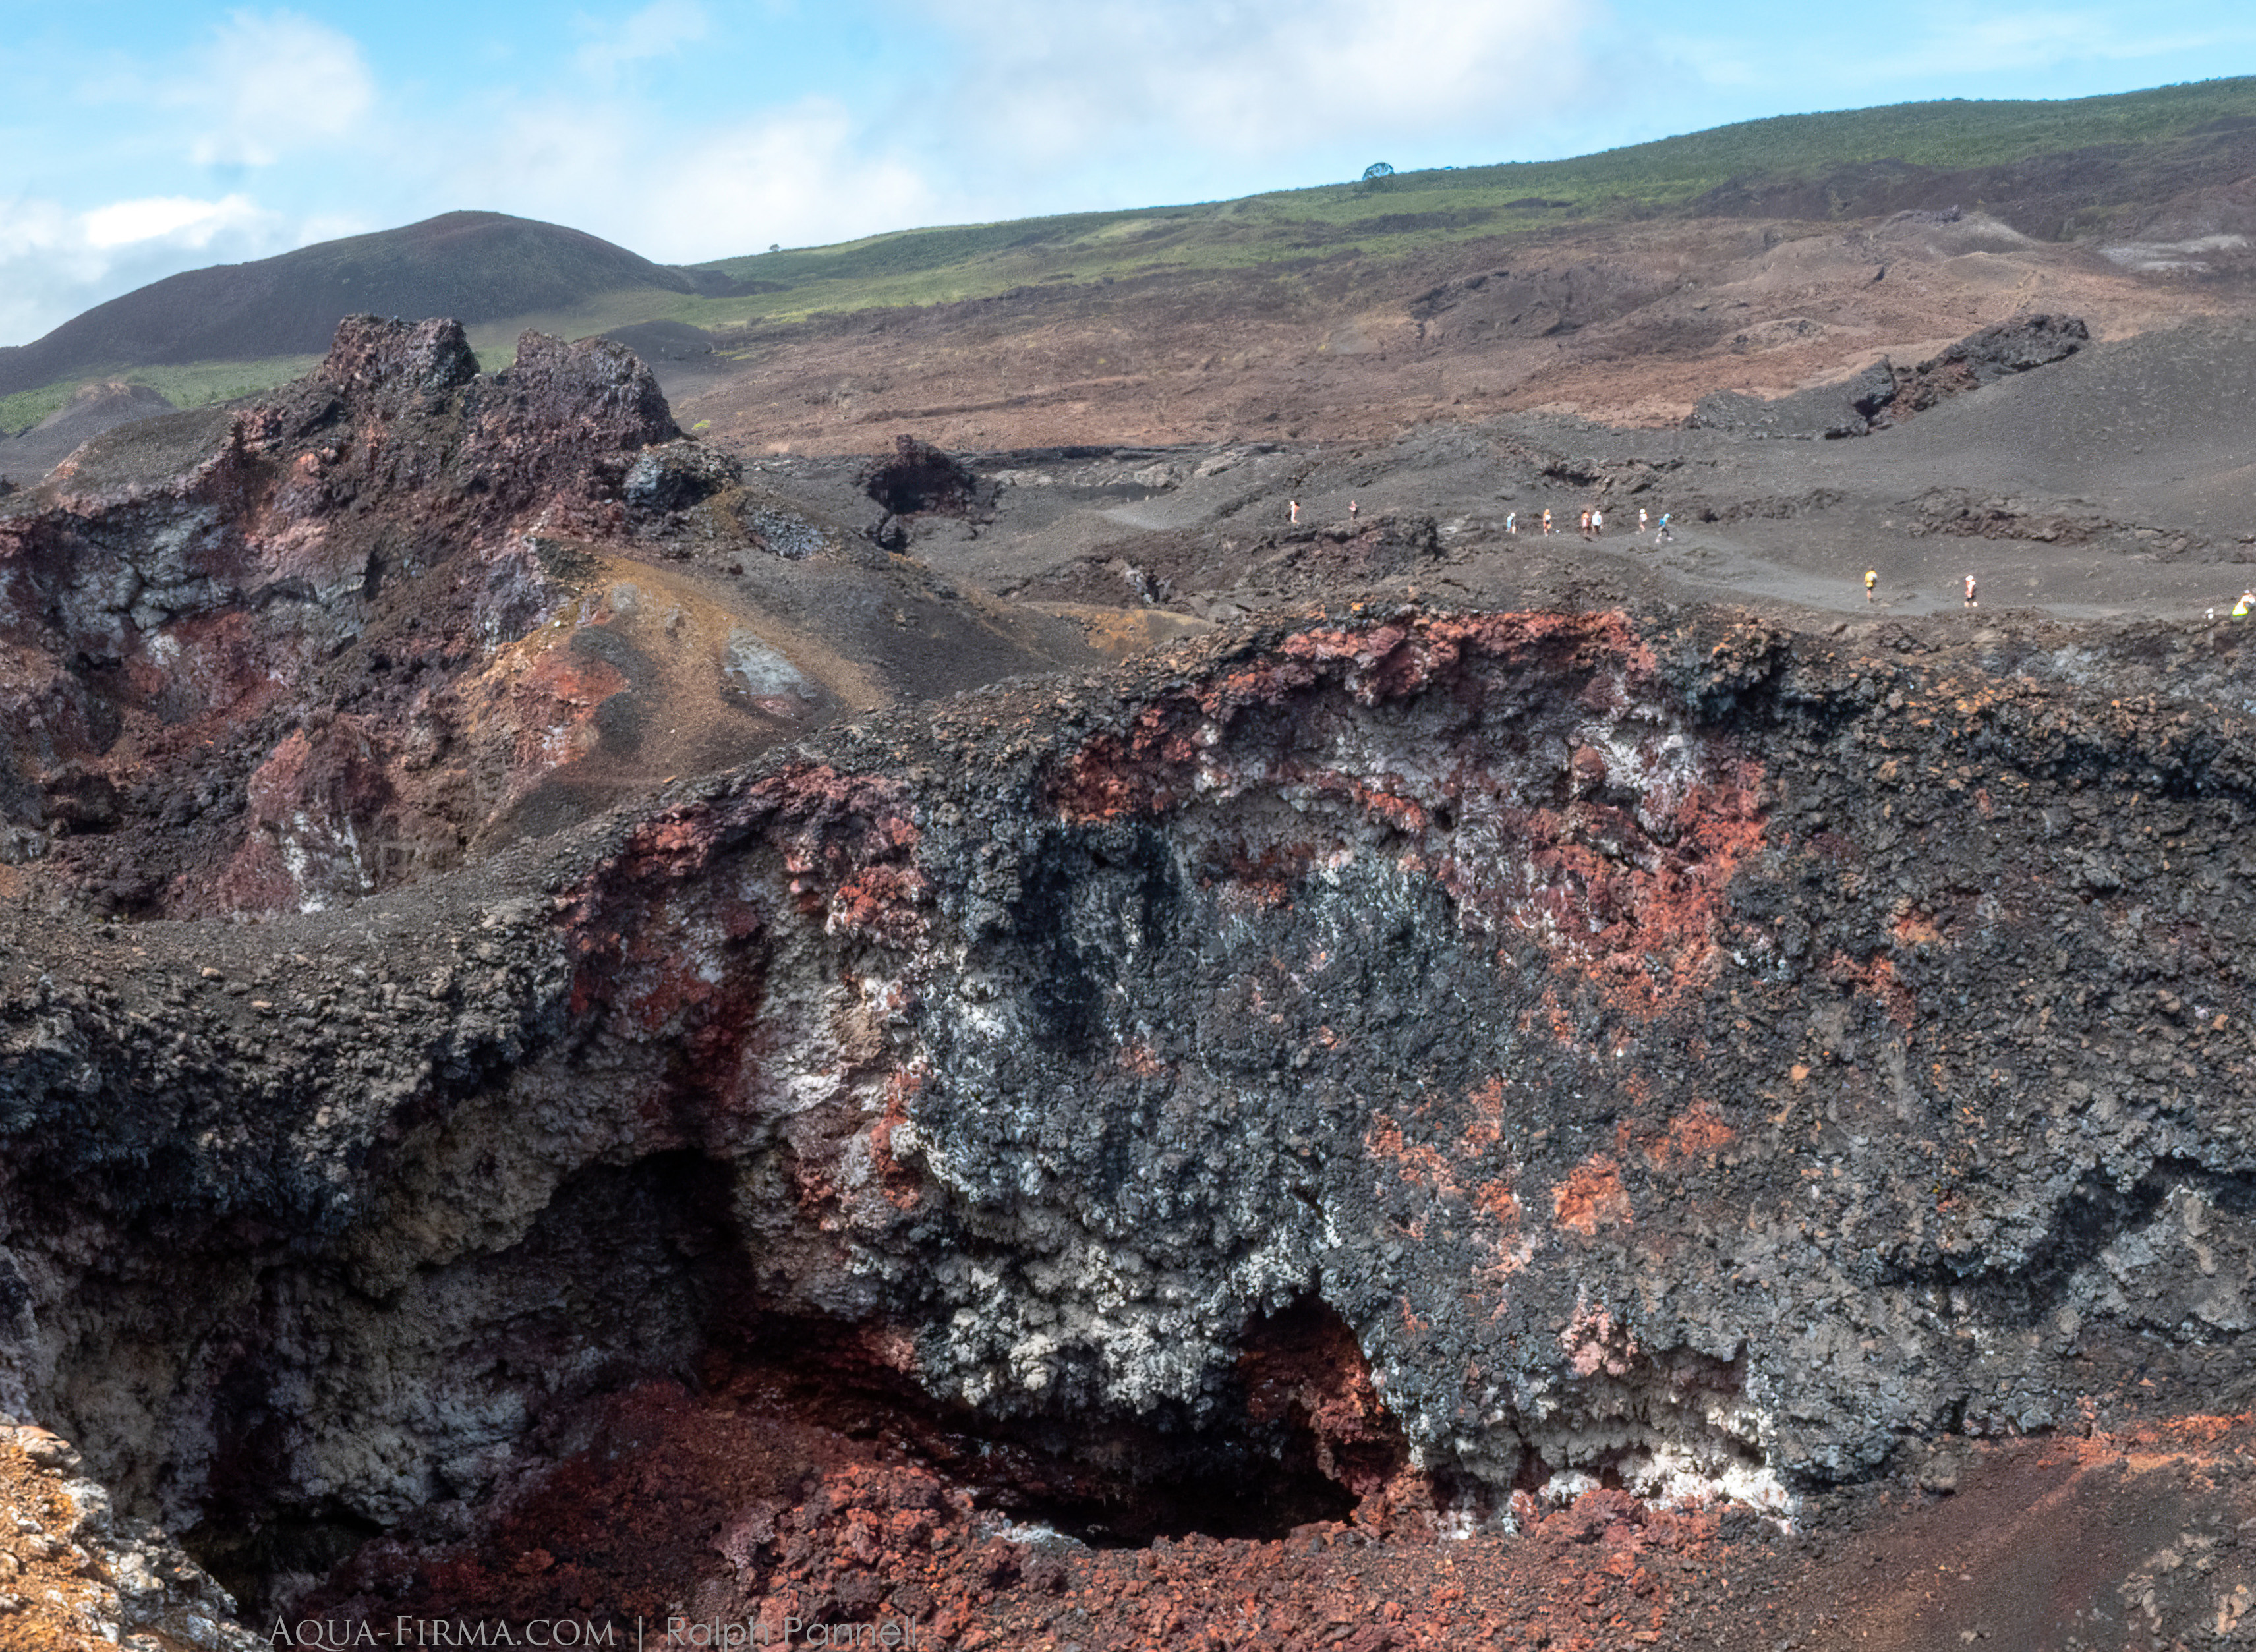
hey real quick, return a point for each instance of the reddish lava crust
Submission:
(826, 1504)
(762, 1496)
(776, 1485)
(815, 1500)
(847, 841)
(1641, 927)
(1151, 768)
(799, 1495)
(189, 730)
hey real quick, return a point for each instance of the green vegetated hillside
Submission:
(190, 384)
(211, 334)
(1414, 209)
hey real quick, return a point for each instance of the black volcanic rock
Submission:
(371, 355)
(595, 380)
(1528, 1001)
(919, 479)
(680, 474)
(1985, 358)
(1884, 394)
(285, 655)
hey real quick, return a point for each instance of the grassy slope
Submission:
(1419, 209)
(191, 384)
(1409, 212)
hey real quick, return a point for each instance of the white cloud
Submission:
(2044, 39)
(1060, 81)
(271, 84)
(658, 29)
(32, 225)
(1936, 51)
(55, 263)
(181, 219)
(801, 174)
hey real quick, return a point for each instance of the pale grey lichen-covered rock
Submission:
(678, 474)
(73, 1574)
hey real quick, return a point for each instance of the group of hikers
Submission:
(1593, 524)
(1872, 581)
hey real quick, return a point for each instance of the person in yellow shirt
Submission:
(1872, 579)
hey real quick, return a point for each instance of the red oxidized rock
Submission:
(178, 595)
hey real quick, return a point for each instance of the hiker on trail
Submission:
(1350, 511)
(1872, 579)
(1296, 513)
(1597, 522)
(1661, 535)
(1586, 524)
(1547, 522)
(1971, 602)
(1512, 522)
(2245, 606)
(1641, 514)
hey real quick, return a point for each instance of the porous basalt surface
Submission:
(1437, 1067)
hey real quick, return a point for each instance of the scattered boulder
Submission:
(1945, 1467)
(680, 474)
(919, 479)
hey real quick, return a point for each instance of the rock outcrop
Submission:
(75, 1576)
(175, 593)
(919, 480)
(294, 654)
(1883, 394)
(1388, 1063)
(1589, 1081)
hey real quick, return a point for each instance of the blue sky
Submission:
(141, 138)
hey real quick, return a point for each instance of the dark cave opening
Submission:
(1237, 1493)
(1111, 1482)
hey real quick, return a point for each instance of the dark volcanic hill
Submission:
(471, 265)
